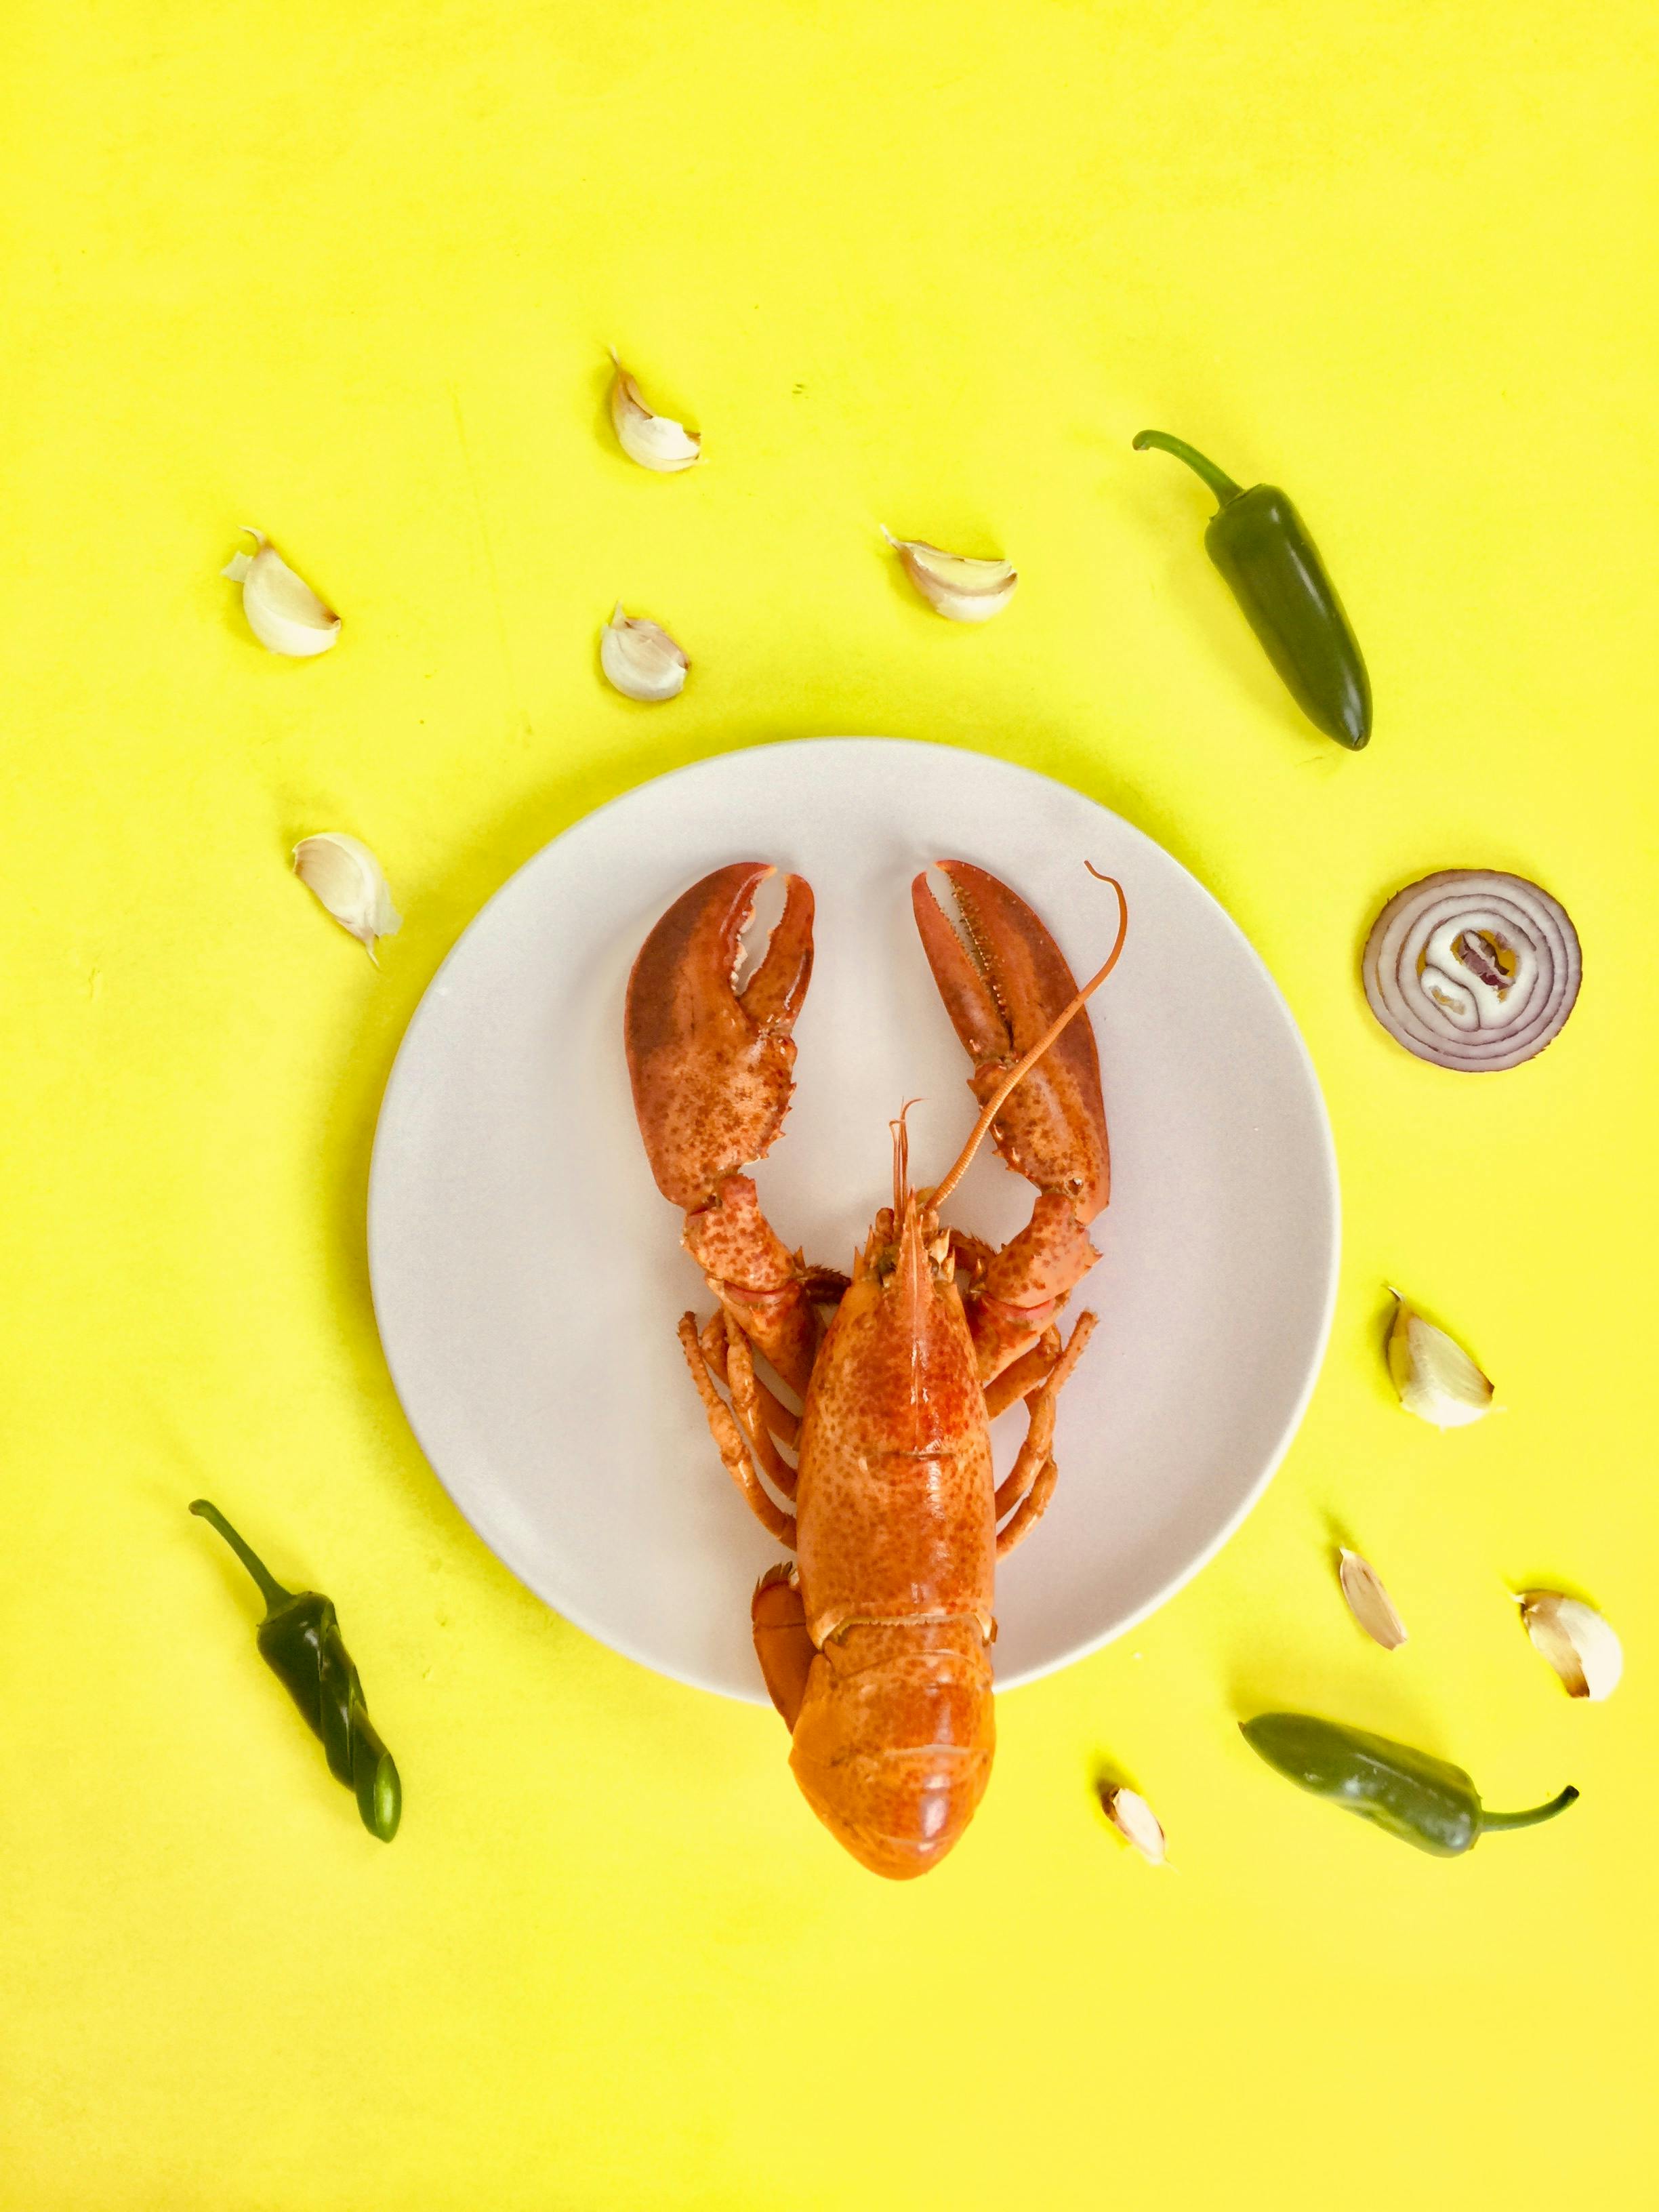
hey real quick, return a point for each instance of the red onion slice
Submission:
(1472, 969)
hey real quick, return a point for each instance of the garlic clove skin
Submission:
(1436, 1378)
(282, 611)
(348, 880)
(1135, 1821)
(655, 441)
(955, 585)
(1577, 1641)
(1368, 1601)
(640, 659)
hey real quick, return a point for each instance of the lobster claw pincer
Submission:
(711, 1070)
(1002, 990)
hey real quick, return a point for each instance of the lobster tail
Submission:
(894, 1740)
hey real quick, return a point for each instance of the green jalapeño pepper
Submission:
(300, 1641)
(1422, 1800)
(1262, 546)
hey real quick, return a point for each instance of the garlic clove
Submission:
(1368, 1601)
(282, 611)
(1577, 1641)
(1435, 1376)
(350, 883)
(955, 585)
(1134, 1820)
(655, 441)
(641, 659)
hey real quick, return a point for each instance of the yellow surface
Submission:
(349, 273)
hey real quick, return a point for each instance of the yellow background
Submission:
(349, 273)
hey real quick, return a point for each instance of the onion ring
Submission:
(1472, 969)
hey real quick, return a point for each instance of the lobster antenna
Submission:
(900, 1159)
(1017, 1074)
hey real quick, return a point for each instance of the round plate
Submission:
(528, 1275)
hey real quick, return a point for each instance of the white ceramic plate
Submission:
(528, 1276)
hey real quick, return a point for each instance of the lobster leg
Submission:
(729, 1442)
(746, 1403)
(1026, 1377)
(716, 1336)
(1031, 1483)
(1002, 989)
(1032, 1507)
(711, 1073)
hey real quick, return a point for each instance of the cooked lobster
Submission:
(875, 1643)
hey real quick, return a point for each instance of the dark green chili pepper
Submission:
(1422, 1800)
(300, 1641)
(1262, 546)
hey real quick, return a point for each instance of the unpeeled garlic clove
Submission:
(957, 586)
(1368, 1601)
(655, 441)
(350, 883)
(1577, 1641)
(1435, 1376)
(282, 611)
(1134, 1820)
(641, 659)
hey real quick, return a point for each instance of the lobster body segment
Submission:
(896, 1536)
(894, 1509)
(875, 1646)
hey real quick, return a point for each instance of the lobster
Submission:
(875, 1643)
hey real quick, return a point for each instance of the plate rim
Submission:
(1329, 1184)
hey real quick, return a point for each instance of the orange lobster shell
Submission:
(875, 1644)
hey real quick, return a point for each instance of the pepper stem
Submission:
(1532, 1816)
(270, 1588)
(1217, 479)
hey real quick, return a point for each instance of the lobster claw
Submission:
(1001, 994)
(710, 1068)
